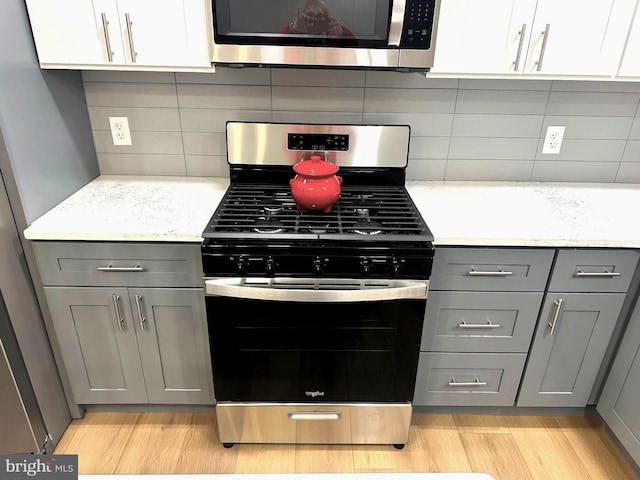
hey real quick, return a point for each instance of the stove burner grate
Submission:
(371, 211)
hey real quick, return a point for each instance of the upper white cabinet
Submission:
(120, 33)
(544, 37)
(630, 65)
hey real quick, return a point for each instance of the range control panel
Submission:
(315, 141)
(418, 24)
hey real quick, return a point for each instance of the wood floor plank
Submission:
(99, 439)
(324, 459)
(497, 454)
(435, 445)
(481, 423)
(201, 450)
(595, 449)
(547, 451)
(151, 447)
(368, 458)
(256, 458)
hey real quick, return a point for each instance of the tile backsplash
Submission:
(460, 129)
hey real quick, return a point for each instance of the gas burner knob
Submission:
(365, 264)
(271, 265)
(241, 264)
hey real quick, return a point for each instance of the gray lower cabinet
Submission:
(130, 320)
(618, 404)
(136, 345)
(582, 307)
(481, 312)
(570, 342)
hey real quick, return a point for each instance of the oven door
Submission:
(374, 33)
(311, 340)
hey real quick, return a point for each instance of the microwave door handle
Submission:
(397, 21)
(237, 288)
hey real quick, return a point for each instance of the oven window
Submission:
(362, 23)
(310, 352)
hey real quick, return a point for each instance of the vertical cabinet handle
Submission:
(141, 317)
(545, 37)
(116, 307)
(134, 54)
(552, 323)
(516, 62)
(107, 40)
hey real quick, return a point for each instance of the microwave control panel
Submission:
(418, 24)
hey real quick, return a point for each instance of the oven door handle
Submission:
(316, 290)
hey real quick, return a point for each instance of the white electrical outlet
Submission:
(120, 130)
(553, 139)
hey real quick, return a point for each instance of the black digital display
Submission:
(318, 141)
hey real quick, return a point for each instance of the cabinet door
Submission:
(570, 342)
(97, 337)
(618, 404)
(174, 346)
(630, 65)
(70, 32)
(573, 37)
(167, 33)
(483, 37)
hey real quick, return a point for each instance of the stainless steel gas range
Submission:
(315, 317)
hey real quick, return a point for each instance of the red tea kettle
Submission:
(316, 185)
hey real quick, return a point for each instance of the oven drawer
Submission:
(480, 321)
(607, 271)
(491, 269)
(119, 264)
(460, 379)
(319, 423)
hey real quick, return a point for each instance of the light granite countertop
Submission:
(138, 208)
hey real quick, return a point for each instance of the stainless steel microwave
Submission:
(378, 34)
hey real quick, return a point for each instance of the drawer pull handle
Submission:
(141, 317)
(479, 325)
(552, 323)
(606, 273)
(499, 273)
(477, 383)
(314, 415)
(111, 268)
(116, 307)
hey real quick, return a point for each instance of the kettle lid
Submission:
(315, 167)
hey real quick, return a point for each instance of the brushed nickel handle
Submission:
(107, 40)
(606, 273)
(477, 383)
(134, 54)
(478, 325)
(545, 37)
(522, 32)
(314, 415)
(111, 268)
(116, 307)
(552, 323)
(141, 318)
(499, 273)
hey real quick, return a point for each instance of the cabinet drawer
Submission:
(607, 271)
(480, 321)
(459, 379)
(119, 264)
(491, 269)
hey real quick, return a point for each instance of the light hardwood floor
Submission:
(506, 447)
